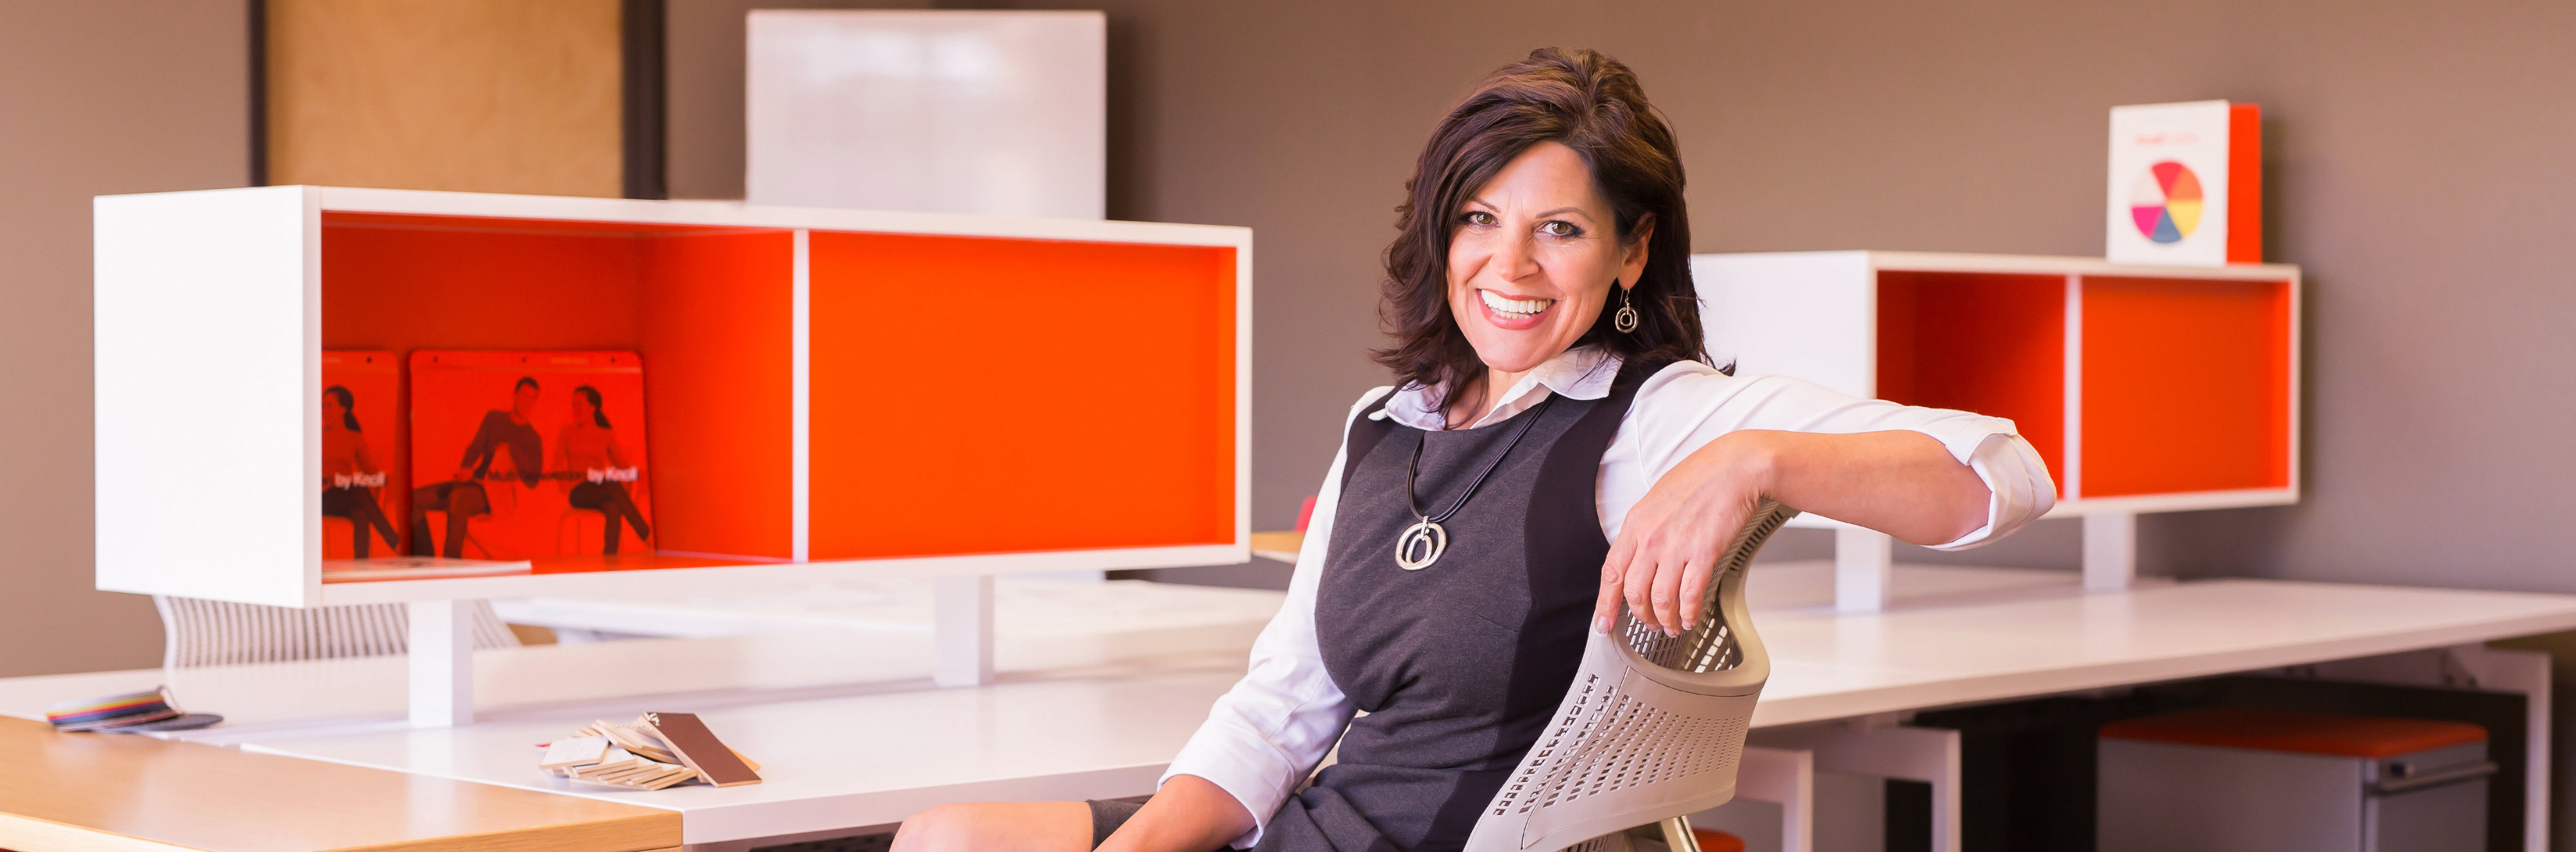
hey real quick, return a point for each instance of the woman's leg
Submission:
(622, 504)
(342, 503)
(998, 827)
(358, 532)
(464, 501)
(374, 519)
(423, 499)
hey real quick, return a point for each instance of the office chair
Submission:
(197, 632)
(1651, 731)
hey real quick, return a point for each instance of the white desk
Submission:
(1036, 608)
(856, 756)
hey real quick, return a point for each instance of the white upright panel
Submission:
(208, 325)
(1002, 113)
(1810, 315)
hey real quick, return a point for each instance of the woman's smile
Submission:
(1511, 313)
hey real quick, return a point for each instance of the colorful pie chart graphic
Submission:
(2165, 202)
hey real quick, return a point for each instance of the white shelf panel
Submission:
(751, 575)
(739, 215)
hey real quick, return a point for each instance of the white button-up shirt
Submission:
(1267, 733)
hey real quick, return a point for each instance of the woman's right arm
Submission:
(1190, 814)
(1267, 733)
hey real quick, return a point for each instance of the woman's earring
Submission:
(1626, 320)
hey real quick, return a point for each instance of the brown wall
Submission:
(2418, 169)
(96, 97)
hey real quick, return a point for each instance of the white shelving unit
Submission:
(2077, 351)
(861, 356)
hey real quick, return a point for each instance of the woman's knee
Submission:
(940, 829)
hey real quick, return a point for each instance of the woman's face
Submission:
(332, 410)
(581, 410)
(1534, 257)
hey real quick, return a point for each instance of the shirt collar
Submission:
(1581, 373)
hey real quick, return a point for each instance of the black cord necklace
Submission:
(1422, 543)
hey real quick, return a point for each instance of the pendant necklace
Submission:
(1424, 541)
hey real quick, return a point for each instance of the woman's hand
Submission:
(1902, 483)
(1674, 535)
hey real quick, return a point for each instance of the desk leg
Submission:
(442, 663)
(961, 630)
(1785, 777)
(2526, 672)
(2110, 551)
(1864, 564)
(2476, 667)
(1930, 755)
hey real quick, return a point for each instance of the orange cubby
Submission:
(946, 398)
(2143, 388)
(2187, 385)
(707, 309)
(1068, 387)
(1991, 343)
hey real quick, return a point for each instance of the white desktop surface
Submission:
(1829, 667)
(855, 760)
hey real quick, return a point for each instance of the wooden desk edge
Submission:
(640, 833)
(32, 834)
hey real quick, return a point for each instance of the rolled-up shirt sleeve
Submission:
(1688, 405)
(1267, 733)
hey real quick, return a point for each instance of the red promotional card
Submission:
(362, 484)
(519, 455)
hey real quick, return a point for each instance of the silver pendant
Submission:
(1420, 545)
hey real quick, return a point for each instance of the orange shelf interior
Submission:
(968, 395)
(708, 309)
(2217, 349)
(1996, 344)
(1989, 343)
(992, 395)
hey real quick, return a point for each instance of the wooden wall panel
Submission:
(474, 95)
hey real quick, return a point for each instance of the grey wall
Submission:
(2417, 163)
(96, 97)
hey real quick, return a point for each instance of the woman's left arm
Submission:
(1926, 476)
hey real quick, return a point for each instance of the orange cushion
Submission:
(1712, 840)
(2308, 733)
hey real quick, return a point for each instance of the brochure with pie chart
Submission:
(2186, 184)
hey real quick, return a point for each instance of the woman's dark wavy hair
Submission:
(598, 414)
(1590, 103)
(348, 406)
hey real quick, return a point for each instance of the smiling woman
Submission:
(1552, 191)
(1555, 447)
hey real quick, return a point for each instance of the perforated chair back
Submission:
(198, 632)
(1652, 728)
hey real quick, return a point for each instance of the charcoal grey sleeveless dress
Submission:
(1457, 665)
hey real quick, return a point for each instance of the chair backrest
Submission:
(197, 632)
(1652, 728)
